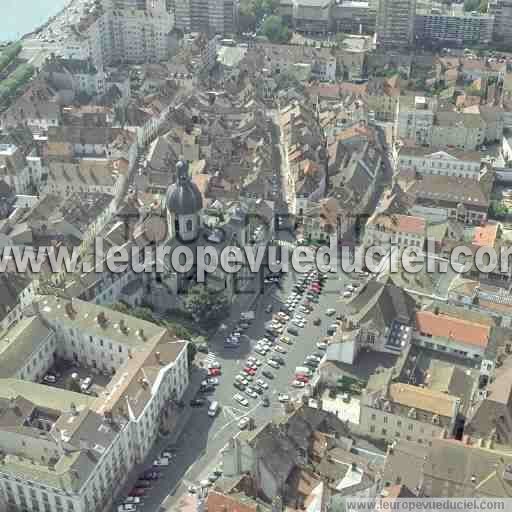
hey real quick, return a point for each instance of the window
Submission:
(374, 417)
(384, 431)
(410, 427)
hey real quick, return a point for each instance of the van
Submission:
(213, 409)
(293, 330)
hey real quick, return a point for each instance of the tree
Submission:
(205, 305)
(275, 29)
(9, 54)
(191, 352)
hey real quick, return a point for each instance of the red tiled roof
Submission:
(440, 325)
(485, 236)
(218, 502)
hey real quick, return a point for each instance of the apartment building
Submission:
(452, 334)
(400, 230)
(67, 451)
(445, 162)
(452, 26)
(354, 17)
(395, 24)
(207, 16)
(462, 199)
(502, 12)
(392, 411)
(415, 119)
(128, 36)
(23, 173)
(463, 131)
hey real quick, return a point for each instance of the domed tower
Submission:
(184, 204)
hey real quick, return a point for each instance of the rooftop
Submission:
(459, 330)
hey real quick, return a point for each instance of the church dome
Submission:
(183, 198)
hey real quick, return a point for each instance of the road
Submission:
(204, 437)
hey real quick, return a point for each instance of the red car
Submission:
(213, 372)
(302, 378)
(250, 371)
(137, 491)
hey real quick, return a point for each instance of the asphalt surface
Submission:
(204, 437)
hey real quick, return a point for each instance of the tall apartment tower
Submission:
(502, 12)
(208, 16)
(395, 24)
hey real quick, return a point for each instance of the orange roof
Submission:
(218, 502)
(485, 235)
(401, 223)
(464, 331)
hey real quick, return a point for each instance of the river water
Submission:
(18, 17)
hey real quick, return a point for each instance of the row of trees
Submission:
(17, 79)
(8, 55)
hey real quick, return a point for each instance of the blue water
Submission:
(18, 17)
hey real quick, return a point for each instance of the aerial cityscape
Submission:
(255, 255)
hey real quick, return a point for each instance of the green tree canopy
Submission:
(275, 29)
(205, 305)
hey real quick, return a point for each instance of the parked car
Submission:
(273, 363)
(126, 507)
(241, 400)
(265, 401)
(152, 475)
(163, 462)
(262, 384)
(298, 384)
(132, 499)
(243, 423)
(321, 345)
(282, 397)
(267, 374)
(238, 385)
(317, 321)
(250, 392)
(214, 364)
(213, 372)
(49, 378)
(197, 402)
(137, 492)
(86, 384)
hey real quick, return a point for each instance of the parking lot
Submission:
(72, 376)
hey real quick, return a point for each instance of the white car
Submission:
(347, 295)
(283, 398)
(243, 423)
(262, 351)
(314, 358)
(262, 384)
(251, 393)
(321, 345)
(273, 364)
(86, 384)
(131, 499)
(241, 400)
(214, 364)
(298, 323)
(330, 312)
(126, 507)
(279, 349)
(161, 462)
(298, 384)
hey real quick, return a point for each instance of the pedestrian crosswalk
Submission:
(211, 357)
